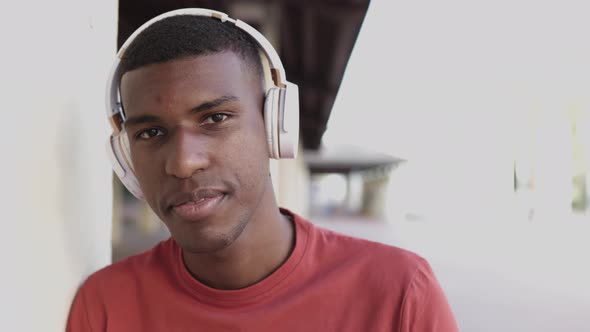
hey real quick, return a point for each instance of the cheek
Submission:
(145, 168)
(140, 167)
(250, 159)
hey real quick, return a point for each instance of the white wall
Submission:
(55, 180)
(448, 85)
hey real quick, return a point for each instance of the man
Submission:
(193, 95)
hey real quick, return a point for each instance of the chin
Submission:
(208, 239)
(205, 247)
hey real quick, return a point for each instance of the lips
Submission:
(196, 205)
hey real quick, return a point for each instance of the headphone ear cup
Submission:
(124, 149)
(271, 115)
(118, 151)
(288, 121)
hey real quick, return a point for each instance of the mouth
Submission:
(197, 205)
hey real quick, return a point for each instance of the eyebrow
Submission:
(214, 103)
(141, 119)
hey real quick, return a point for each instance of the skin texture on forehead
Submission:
(196, 127)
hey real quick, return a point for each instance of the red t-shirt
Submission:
(330, 282)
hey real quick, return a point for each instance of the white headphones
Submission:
(281, 105)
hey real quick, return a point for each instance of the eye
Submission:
(215, 118)
(149, 133)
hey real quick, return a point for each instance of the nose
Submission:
(188, 155)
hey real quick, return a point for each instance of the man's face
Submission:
(198, 145)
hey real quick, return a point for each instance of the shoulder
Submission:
(388, 273)
(130, 271)
(111, 289)
(386, 262)
(395, 277)
(425, 306)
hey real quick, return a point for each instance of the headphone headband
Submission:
(114, 105)
(281, 105)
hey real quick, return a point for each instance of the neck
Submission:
(264, 245)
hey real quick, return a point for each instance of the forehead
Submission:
(201, 77)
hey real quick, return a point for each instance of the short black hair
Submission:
(185, 36)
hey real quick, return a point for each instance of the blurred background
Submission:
(459, 130)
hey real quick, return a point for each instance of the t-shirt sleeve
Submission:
(87, 313)
(425, 307)
(78, 320)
